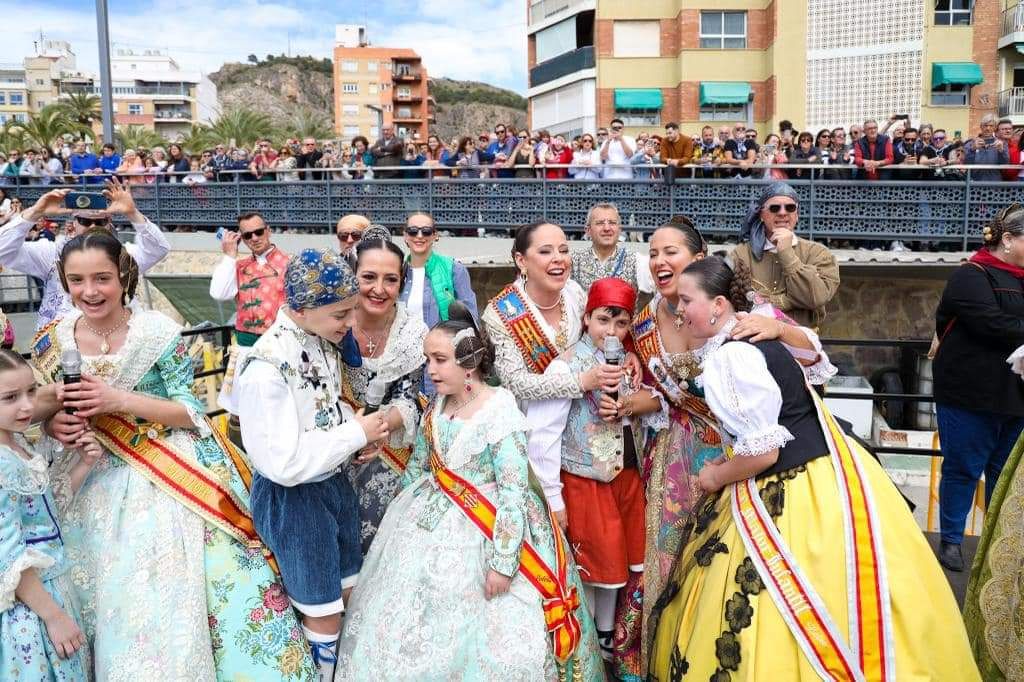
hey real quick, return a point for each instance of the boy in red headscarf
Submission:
(584, 452)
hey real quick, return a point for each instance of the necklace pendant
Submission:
(678, 323)
(104, 347)
(371, 346)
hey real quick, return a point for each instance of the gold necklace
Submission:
(562, 335)
(371, 344)
(678, 323)
(105, 346)
(464, 405)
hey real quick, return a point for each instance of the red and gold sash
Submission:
(559, 597)
(396, 458)
(537, 350)
(870, 653)
(144, 447)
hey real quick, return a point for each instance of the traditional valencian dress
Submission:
(814, 569)
(685, 437)
(401, 365)
(30, 537)
(419, 611)
(174, 582)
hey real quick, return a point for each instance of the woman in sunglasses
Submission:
(797, 276)
(432, 281)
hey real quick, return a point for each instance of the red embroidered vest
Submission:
(260, 291)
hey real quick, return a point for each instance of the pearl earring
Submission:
(713, 320)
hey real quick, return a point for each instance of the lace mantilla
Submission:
(150, 333)
(754, 444)
(20, 475)
(492, 423)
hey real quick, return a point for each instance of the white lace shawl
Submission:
(403, 354)
(496, 420)
(743, 394)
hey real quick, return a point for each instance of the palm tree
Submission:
(82, 107)
(48, 125)
(11, 137)
(308, 123)
(138, 137)
(198, 138)
(241, 127)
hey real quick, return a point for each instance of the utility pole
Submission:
(106, 88)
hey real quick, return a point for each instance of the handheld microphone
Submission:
(614, 354)
(375, 392)
(71, 366)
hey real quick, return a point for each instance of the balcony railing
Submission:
(406, 74)
(562, 65)
(120, 90)
(950, 211)
(1011, 102)
(172, 114)
(1013, 22)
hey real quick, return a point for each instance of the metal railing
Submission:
(950, 211)
(1013, 20)
(1011, 102)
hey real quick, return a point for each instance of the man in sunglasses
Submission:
(39, 258)
(500, 149)
(350, 230)
(256, 283)
(617, 151)
(797, 276)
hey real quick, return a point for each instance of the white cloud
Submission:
(481, 40)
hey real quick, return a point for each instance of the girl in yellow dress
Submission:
(802, 561)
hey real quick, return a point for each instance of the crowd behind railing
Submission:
(895, 150)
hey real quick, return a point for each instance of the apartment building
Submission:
(150, 89)
(818, 63)
(375, 85)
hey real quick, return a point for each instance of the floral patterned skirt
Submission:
(166, 596)
(718, 622)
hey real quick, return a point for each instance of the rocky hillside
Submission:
(281, 87)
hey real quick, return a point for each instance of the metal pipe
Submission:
(106, 89)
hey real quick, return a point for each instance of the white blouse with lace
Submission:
(743, 394)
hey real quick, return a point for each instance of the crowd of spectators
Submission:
(895, 150)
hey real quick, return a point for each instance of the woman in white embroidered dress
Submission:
(436, 599)
(166, 592)
(390, 345)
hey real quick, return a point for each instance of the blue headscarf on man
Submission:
(753, 229)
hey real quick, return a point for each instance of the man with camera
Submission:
(617, 151)
(986, 150)
(88, 211)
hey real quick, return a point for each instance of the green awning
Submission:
(637, 98)
(724, 93)
(955, 73)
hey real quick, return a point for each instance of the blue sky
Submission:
(481, 40)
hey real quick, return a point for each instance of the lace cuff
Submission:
(656, 421)
(9, 579)
(198, 418)
(506, 564)
(410, 417)
(754, 444)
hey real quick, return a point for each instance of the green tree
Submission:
(253, 59)
(11, 137)
(83, 107)
(48, 125)
(241, 127)
(138, 137)
(198, 138)
(308, 123)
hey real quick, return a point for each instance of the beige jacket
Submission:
(800, 280)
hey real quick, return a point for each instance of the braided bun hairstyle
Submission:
(471, 352)
(103, 240)
(715, 277)
(1010, 219)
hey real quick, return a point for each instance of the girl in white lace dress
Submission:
(447, 590)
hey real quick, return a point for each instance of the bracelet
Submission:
(627, 406)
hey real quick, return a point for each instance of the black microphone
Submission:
(614, 354)
(71, 366)
(375, 392)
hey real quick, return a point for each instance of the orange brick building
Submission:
(378, 84)
(818, 63)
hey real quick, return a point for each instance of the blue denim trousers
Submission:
(972, 443)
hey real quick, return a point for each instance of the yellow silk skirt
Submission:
(719, 623)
